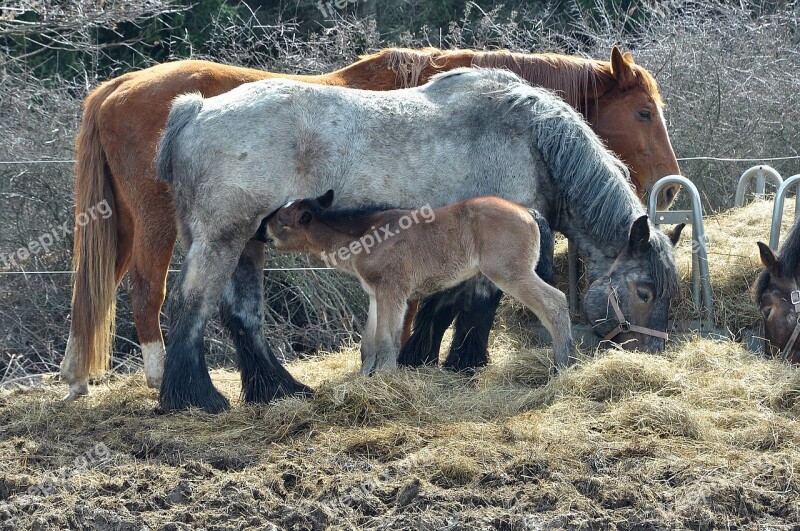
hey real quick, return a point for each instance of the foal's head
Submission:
(289, 227)
(776, 293)
(629, 303)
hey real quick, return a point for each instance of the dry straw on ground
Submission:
(703, 436)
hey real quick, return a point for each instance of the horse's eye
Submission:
(643, 294)
(645, 114)
(766, 311)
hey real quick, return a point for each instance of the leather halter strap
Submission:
(624, 325)
(795, 300)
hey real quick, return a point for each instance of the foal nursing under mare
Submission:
(419, 252)
(777, 294)
(233, 159)
(122, 120)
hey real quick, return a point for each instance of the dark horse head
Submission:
(778, 297)
(628, 303)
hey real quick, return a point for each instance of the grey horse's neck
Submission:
(599, 255)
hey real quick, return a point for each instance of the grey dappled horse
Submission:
(235, 158)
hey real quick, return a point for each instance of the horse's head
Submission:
(628, 300)
(289, 226)
(776, 293)
(629, 117)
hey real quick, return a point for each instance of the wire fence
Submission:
(286, 269)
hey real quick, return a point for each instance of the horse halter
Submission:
(624, 325)
(795, 300)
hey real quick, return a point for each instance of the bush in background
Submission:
(730, 75)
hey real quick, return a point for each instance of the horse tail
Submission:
(95, 245)
(544, 268)
(184, 109)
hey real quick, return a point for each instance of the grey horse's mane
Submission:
(590, 179)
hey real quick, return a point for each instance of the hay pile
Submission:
(705, 436)
(733, 263)
(731, 238)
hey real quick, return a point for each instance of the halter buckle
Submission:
(795, 297)
(624, 327)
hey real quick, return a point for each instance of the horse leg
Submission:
(470, 346)
(264, 378)
(408, 320)
(368, 353)
(152, 251)
(434, 315)
(186, 381)
(548, 303)
(390, 313)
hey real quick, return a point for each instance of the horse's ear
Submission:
(768, 258)
(326, 200)
(639, 239)
(628, 56)
(675, 234)
(621, 68)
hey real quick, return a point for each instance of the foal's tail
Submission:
(95, 248)
(184, 109)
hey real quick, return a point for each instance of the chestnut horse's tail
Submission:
(95, 246)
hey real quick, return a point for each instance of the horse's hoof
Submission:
(304, 391)
(76, 391)
(152, 382)
(214, 403)
(254, 394)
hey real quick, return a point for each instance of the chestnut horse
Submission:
(123, 118)
(778, 297)
(235, 158)
(429, 250)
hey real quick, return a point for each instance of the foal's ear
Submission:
(768, 259)
(621, 68)
(675, 234)
(639, 239)
(326, 200)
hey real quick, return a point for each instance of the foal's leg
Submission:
(391, 312)
(368, 352)
(206, 270)
(548, 303)
(264, 378)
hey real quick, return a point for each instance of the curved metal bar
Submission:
(777, 210)
(701, 279)
(760, 172)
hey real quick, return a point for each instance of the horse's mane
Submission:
(590, 180)
(789, 257)
(576, 79)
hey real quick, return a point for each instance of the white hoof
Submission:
(77, 390)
